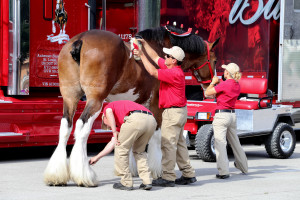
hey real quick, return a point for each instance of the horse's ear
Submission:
(212, 45)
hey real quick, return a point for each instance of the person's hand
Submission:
(137, 52)
(142, 41)
(215, 80)
(93, 160)
(115, 141)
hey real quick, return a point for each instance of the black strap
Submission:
(225, 110)
(140, 111)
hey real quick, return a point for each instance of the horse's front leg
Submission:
(80, 171)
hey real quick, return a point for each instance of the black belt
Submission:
(140, 111)
(175, 107)
(225, 110)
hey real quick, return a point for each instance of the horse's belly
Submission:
(129, 95)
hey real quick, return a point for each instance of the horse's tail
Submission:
(76, 48)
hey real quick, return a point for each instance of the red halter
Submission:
(196, 73)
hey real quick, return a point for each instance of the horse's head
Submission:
(199, 55)
(203, 65)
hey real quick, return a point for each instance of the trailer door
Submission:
(289, 51)
(18, 73)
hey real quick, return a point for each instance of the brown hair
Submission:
(103, 126)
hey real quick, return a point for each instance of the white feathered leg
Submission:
(80, 171)
(155, 155)
(57, 171)
(132, 164)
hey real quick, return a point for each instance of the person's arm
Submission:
(148, 66)
(210, 90)
(107, 149)
(111, 119)
(152, 54)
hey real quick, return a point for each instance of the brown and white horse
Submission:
(99, 64)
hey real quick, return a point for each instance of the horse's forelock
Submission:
(190, 44)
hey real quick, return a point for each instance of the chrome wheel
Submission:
(286, 141)
(212, 145)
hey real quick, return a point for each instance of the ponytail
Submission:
(236, 76)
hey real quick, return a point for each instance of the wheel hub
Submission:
(286, 141)
(212, 144)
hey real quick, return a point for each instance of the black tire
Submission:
(281, 143)
(205, 143)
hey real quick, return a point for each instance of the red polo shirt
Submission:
(121, 109)
(172, 86)
(227, 94)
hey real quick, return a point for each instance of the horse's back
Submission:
(95, 39)
(93, 58)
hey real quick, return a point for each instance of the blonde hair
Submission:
(236, 76)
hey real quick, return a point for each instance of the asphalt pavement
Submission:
(21, 178)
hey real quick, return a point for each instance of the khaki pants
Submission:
(136, 133)
(173, 144)
(224, 126)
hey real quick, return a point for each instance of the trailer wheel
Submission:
(205, 147)
(281, 143)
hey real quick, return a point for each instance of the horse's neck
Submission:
(133, 84)
(137, 85)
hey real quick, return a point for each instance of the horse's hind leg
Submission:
(57, 171)
(80, 171)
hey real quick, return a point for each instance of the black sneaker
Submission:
(222, 176)
(146, 187)
(119, 186)
(185, 180)
(163, 183)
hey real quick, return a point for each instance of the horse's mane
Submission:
(191, 44)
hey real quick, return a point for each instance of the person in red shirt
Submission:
(132, 125)
(224, 124)
(172, 99)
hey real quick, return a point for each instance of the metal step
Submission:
(10, 134)
(101, 131)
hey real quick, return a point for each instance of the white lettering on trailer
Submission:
(50, 84)
(125, 36)
(261, 9)
(48, 62)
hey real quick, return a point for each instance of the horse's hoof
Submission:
(58, 184)
(82, 185)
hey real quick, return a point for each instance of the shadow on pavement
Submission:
(29, 153)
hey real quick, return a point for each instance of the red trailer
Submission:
(32, 32)
(31, 36)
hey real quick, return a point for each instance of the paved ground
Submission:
(21, 175)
